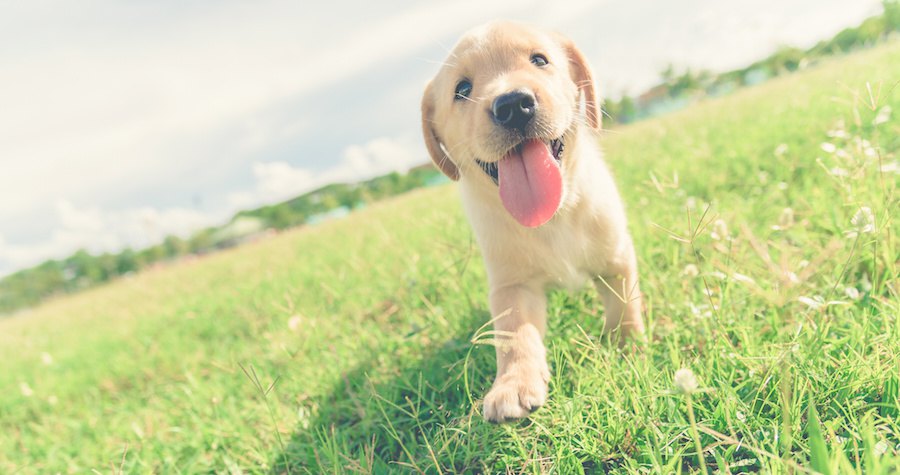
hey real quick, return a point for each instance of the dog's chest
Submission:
(568, 257)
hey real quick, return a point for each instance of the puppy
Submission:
(513, 116)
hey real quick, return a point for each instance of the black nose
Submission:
(514, 110)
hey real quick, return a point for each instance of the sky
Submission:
(122, 122)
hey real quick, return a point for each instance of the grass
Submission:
(766, 229)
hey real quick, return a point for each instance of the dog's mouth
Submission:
(556, 146)
(530, 180)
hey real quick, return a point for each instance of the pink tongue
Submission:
(530, 184)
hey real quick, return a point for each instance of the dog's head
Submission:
(502, 109)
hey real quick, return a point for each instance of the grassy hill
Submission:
(766, 230)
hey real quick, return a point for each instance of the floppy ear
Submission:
(432, 142)
(584, 79)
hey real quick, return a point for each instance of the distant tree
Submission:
(786, 58)
(202, 241)
(891, 15)
(126, 261)
(174, 246)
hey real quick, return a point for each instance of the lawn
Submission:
(766, 229)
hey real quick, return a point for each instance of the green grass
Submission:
(347, 347)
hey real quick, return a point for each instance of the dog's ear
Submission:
(432, 142)
(584, 79)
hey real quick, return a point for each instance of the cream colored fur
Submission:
(586, 240)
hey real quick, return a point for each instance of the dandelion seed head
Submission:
(685, 381)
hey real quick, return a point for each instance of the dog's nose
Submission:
(514, 110)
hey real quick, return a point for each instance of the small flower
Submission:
(815, 303)
(890, 167)
(828, 147)
(740, 416)
(690, 270)
(294, 322)
(763, 177)
(881, 447)
(26, 389)
(46, 359)
(685, 381)
(838, 171)
(884, 114)
(865, 284)
(720, 230)
(792, 277)
(852, 293)
(53, 400)
(785, 219)
(839, 130)
(863, 221)
(782, 185)
(781, 149)
(742, 278)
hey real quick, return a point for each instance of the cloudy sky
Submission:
(122, 122)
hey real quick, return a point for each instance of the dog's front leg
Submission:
(622, 298)
(522, 372)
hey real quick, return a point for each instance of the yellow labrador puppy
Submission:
(512, 115)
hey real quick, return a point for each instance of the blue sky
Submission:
(122, 122)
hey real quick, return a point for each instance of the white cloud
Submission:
(377, 157)
(278, 181)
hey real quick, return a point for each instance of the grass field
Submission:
(766, 228)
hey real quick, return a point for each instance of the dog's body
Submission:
(504, 117)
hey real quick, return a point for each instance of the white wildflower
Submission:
(781, 149)
(863, 221)
(742, 278)
(303, 416)
(838, 171)
(792, 277)
(46, 359)
(839, 131)
(52, 400)
(294, 322)
(852, 293)
(26, 389)
(815, 303)
(763, 177)
(782, 185)
(740, 416)
(881, 448)
(785, 219)
(828, 147)
(720, 230)
(685, 381)
(865, 284)
(690, 270)
(890, 167)
(691, 203)
(884, 114)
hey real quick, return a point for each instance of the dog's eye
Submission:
(539, 60)
(463, 89)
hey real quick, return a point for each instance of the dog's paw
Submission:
(520, 391)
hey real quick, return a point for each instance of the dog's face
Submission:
(502, 109)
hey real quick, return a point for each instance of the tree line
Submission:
(678, 87)
(83, 270)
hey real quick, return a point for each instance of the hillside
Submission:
(347, 347)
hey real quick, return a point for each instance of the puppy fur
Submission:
(586, 240)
